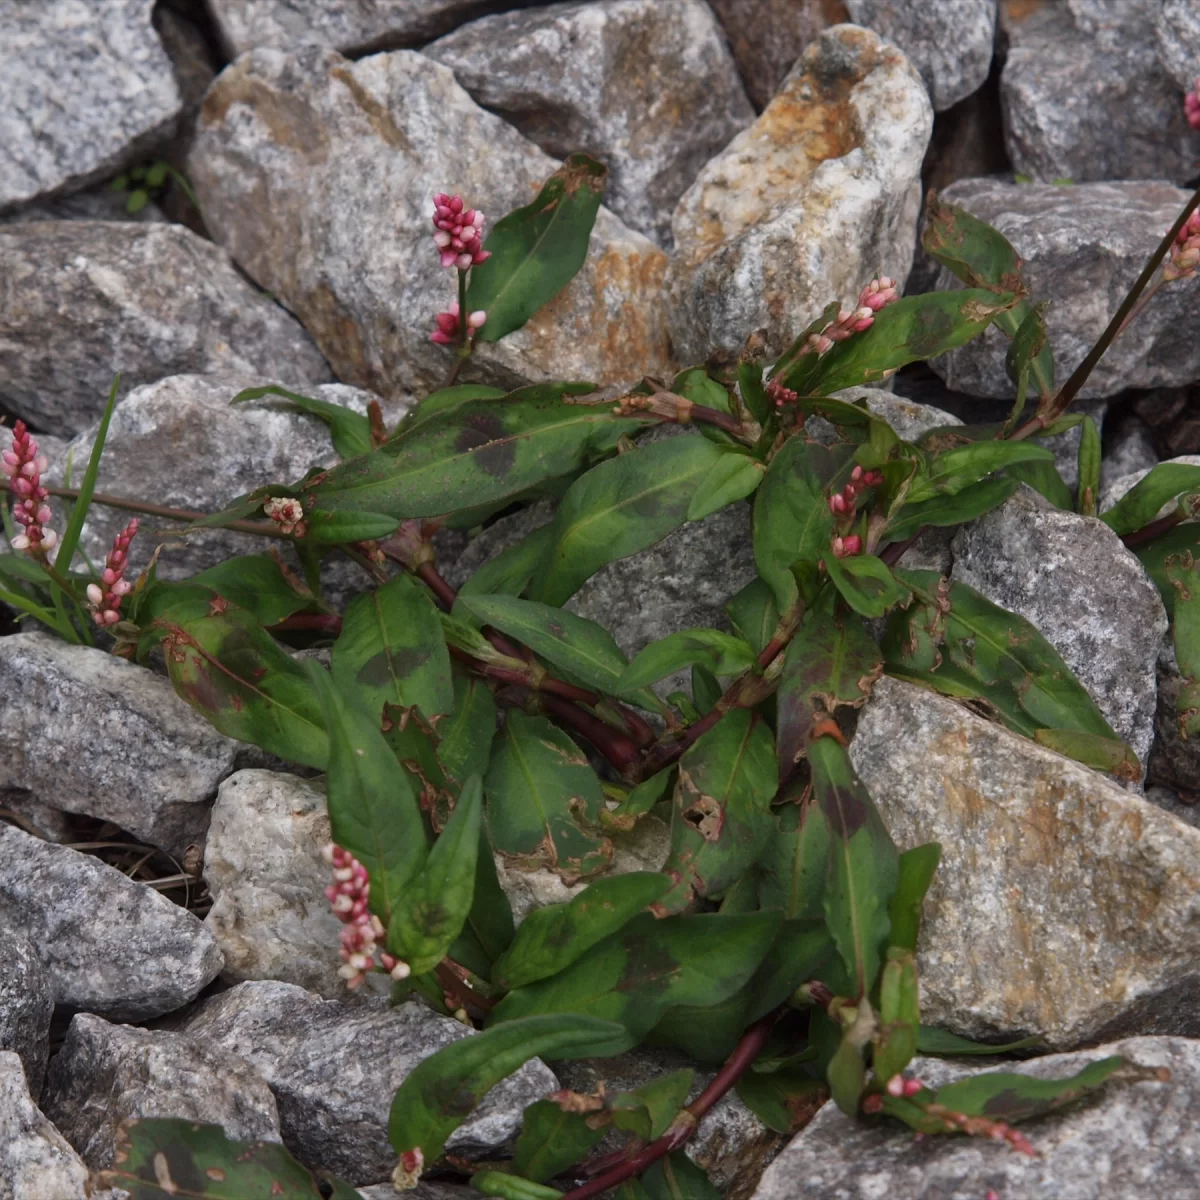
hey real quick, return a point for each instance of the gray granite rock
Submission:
(105, 1074)
(109, 945)
(92, 733)
(1132, 1139)
(907, 418)
(1184, 806)
(26, 1003)
(36, 1161)
(648, 88)
(87, 299)
(948, 41)
(334, 1068)
(1085, 96)
(1064, 904)
(1083, 247)
(804, 207)
(1174, 761)
(1177, 32)
(343, 149)
(423, 1191)
(1075, 581)
(1131, 450)
(94, 204)
(85, 89)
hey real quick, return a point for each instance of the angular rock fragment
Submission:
(26, 1004)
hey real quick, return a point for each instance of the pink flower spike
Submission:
(105, 598)
(912, 1087)
(24, 466)
(1191, 106)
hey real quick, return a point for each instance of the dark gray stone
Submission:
(26, 1003)
(1177, 31)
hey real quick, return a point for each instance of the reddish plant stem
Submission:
(1148, 533)
(722, 420)
(749, 1047)
(617, 747)
(458, 988)
(894, 552)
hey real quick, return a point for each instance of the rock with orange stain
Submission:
(820, 194)
(318, 174)
(1064, 904)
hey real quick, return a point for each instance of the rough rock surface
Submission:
(1064, 905)
(1132, 1139)
(26, 1003)
(87, 88)
(87, 299)
(109, 945)
(1085, 96)
(263, 867)
(1131, 451)
(423, 1191)
(95, 204)
(1083, 247)
(1075, 581)
(948, 41)
(648, 88)
(92, 733)
(334, 1068)
(1177, 32)
(105, 1074)
(36, 1161)
(804, 207)
(314, 172)
(180, 442)
(1175, 761)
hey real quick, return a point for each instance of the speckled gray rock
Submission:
(105, 1074)
(94, 204)
(1177, 32)
(1085, 96)
(26, 1003)
(1083, 247)
(1131, 450)
(1087, 594)
(907, 418)
(180, 442)
(95, 734)
(1064, 905)
(109, 945)
(334, 1068)
(1175, 761)
(85, 89)
(263, 867)
(344, 149)
(948, 41)
(423, 1191)
(1133, 1139)
(87, 299)
(36, 1161)
(804, 207)
(648, 88)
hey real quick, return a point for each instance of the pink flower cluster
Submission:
(876, 295)
(1185, 254)
(1191, 105)
(459, 232)
(447, 331)
(781, 395)
(844, 503)
(348, 897)
(24, 466)
(288, 513)
(106, 600)
(846, 547)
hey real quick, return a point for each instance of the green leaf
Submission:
(622, 506)
(541, 797)
(794, 863)
(831, 662)
(580, 647)
(696, 385)
(647, 1111)
(734, 476)
(257, 583)
(1142, 503)
(490, 918)
(940, 1042)
(511, 1187)
(1028, 353)
(169, 1157)
(846, 1073)
(721, 653)
(677, 1177)
(477, 453)
(1155, 556)
(537, 250)
(640, 800)
(372, 810)
(916, 868)
(443, 1089)
(792, 521)
(1184, 577)
(340, 528)
(552, 1140)
(1100, 753)
(784, 1101)
(754, 614)
(87, 486)
(431, 908)
(957, 469)
(651, 965)
(554, 936)
(1044, 478)
(865, 582)
(391, 650)
(445, 398)
(753, 392)
(955, 509)
(512, 570)
(1089, 468)
(863, 866)
(721, 817)
(466, 745)
(349, 431)
(899, 1015)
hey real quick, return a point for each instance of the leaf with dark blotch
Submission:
(957, 509)
(1141, 504)
(552, 937)
(443, 1089)
(619, 507)
(552, 1139)
(174, 1159)
(536, 250)
(391, 650)
(831, 662)
(866, 583)
(542, 797)
(721, 817)
(648, 1111)
(1089, 469)
(651, 965)
(721, 653)
(785, 1100)
(677, 1177)
(511, 571)
(1183, 575)
(350, 431)
(257, 583)
(940, 1042)
(957, 469)
(916, 869)
(444, 398)
(1175, 545)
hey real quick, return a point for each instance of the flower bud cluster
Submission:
(348, 897)
(1191, 105)
(1185, 253)
(878, 294)
(288, 513)
(781, 395)
(24, 467)
(459, 236)
(105, 597)
(448, 325)
(843, 502)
